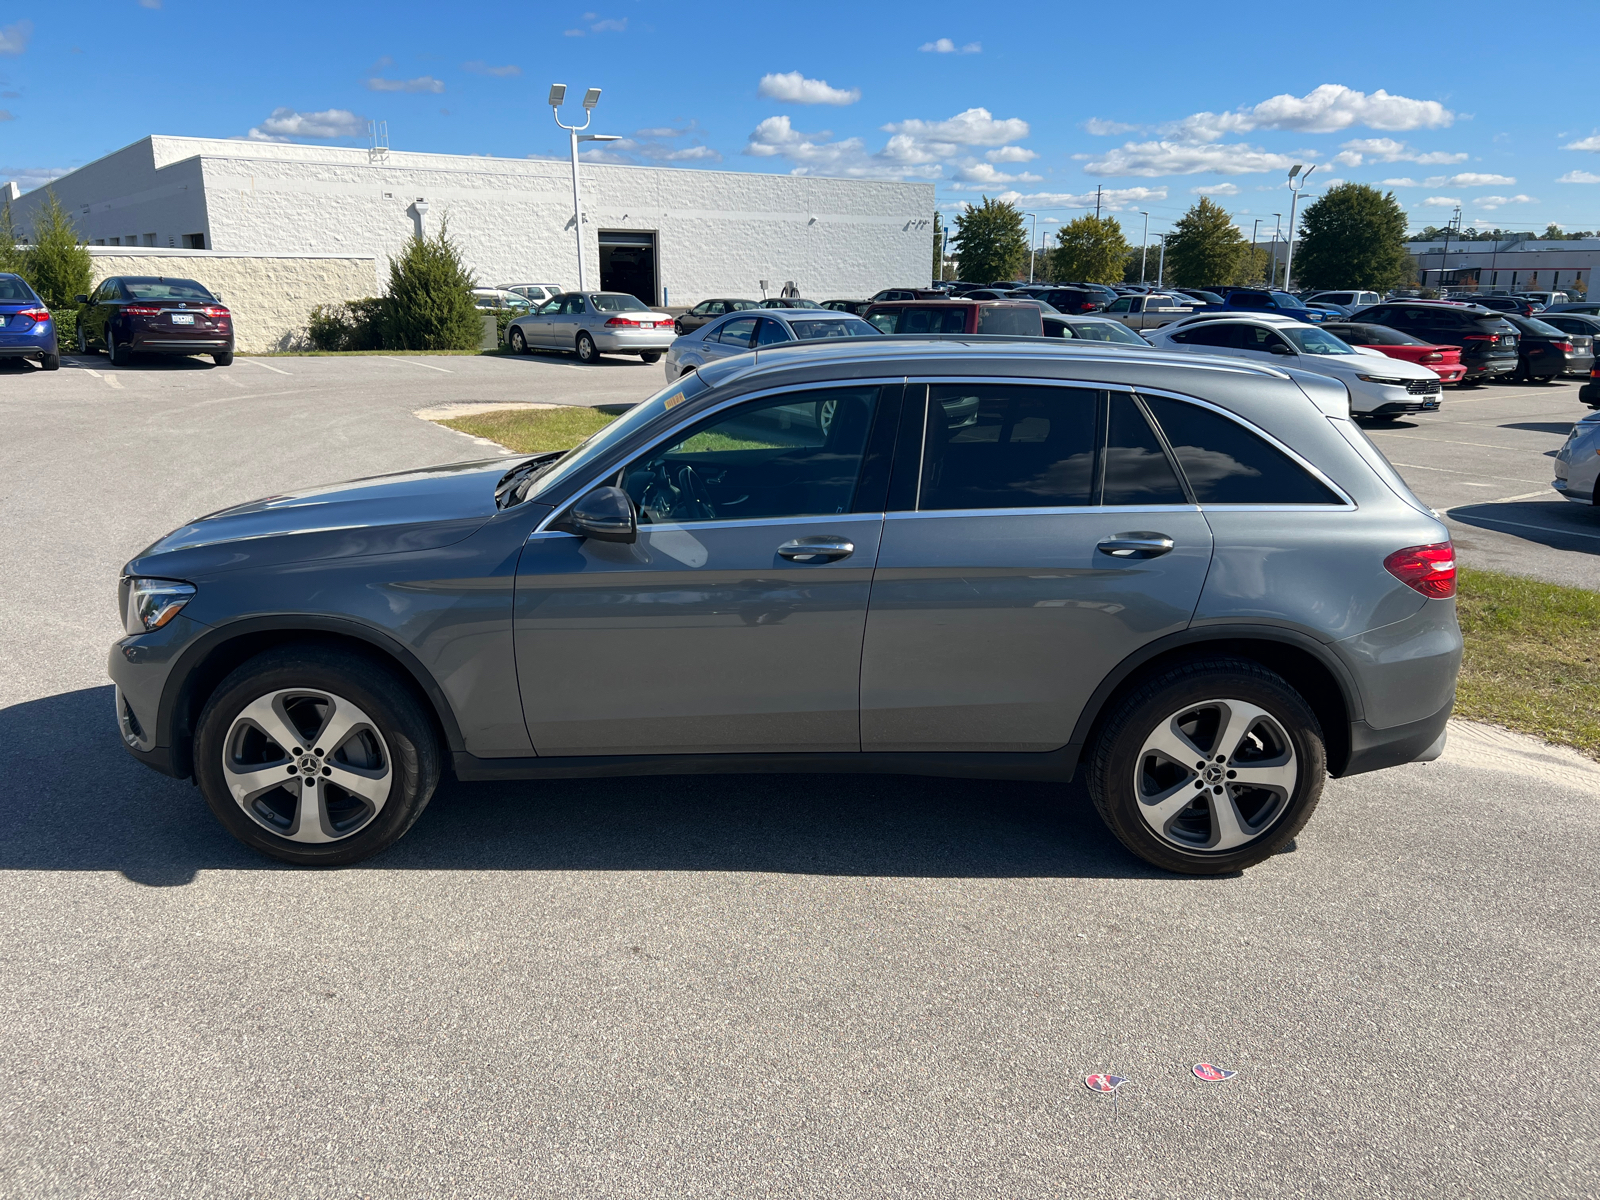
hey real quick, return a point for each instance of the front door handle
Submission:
(829, 548)
(1139, 544)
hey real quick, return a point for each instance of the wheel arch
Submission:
(1305, 664)
(208, 661)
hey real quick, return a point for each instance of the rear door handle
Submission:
(828, 548)
(1139, 544)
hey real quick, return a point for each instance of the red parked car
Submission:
(148, 314)
(1444, 361)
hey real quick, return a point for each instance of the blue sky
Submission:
(1039, 104)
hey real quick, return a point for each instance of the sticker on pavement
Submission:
(1212, 1074)
(1104, 1083)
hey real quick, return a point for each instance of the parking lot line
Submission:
(112, 380)
(408, 362)
(1522, 524)
(264, 366)
(1455, 442)
(1453, 471)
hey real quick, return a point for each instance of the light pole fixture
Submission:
(1144, 243)
(1272, 271)
(1033, 237)
(1253, 230)
(1294, 202)
(558, 94)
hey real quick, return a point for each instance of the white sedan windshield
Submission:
(1316, 341)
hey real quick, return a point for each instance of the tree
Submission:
(1353, 236)
(56, 264)
(1089, 250)
(429, 305)
(10, 252)
(1203, 247)
(992, 244)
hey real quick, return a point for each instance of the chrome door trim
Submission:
(1060, 510)
(734, 523)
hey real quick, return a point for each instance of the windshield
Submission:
(1284, 300)
(810, 331)
(167, 289)
(617, 302)
(597, 443)
(1107, 331)
(1316, 341)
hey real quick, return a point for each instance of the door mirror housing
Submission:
(1279, 348)
(605, 514)
(80, 299)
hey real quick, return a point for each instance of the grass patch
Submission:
(1532, 657)
(532, 430)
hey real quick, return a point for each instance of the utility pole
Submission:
(1253, 229)
(1272, 271)
(1161, 265)
(1294, 200)
(1097, 202)
(1144, 244)
(1454, 223)
(1032, 238)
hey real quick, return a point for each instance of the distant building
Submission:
(1514, 265)
(667, 235)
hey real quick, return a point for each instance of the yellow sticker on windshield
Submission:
(674, 400)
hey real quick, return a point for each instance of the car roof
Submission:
(1211, 318)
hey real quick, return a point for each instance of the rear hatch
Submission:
(1499, 338)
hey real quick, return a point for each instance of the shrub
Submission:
(429, 305)
(56, 265)
(348, 325)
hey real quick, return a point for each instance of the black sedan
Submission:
(149, 314)
(1545, 351)
(1584, 330)
(707, 311)
(854, 307)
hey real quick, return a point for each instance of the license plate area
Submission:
(3, 320)
(183, 318)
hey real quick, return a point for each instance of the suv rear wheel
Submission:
(315, 757)
(1209, 768)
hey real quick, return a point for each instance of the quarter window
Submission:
(997, 446)
(1137, 469)
(737, 333)
(1227, 464)
(770, 333)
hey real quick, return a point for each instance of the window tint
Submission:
(737, 333)
(810, 331)
(167, 289)
(1211, 333)
(1137, 470)
(1107, 331)
(886, 322)
(1008, 321)
(932, 320)
(1121, 306)
(1227, 464)
(710, 308)
(1249, 300)
(997, 446)
(618, 302)
(770, 333)
(786, 456)
(14, 290)
(742, 305)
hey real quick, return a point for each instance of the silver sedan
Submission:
(1578, 463)
(742, 331)
(590, 324)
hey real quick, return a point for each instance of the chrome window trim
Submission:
(734, 523)
(1043, 511)
(731, 401)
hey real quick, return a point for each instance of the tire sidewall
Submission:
(413, 750)
(519, 343)
(1111, 779)
(586, 348)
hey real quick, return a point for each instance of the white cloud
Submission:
(1579, 177)
(654, 146)
(1469, 179)
(974, 127)
(1215, 189)
(795, 88)
(1010, 154)
(7, 115)
(286, 124)
(1493, 202)
(946, 46)
(478, 67)
(1592, 142)
(422, 83)
(1112, 199)
(1326, 109)
(29, 178)
(982, 172)
(1178, 158)
(1099, 127)
(617, 25)
(1403, 181)
(1441, 202)
(1388, 150)
(14, 38)
(814, 154)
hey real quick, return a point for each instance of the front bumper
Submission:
(141, 668)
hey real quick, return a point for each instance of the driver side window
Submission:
(794, 455)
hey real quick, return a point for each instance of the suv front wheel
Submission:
(1209, 768)
(314, 756)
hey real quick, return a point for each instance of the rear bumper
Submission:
(1578, 364)
(1490, 367)
(169, 345)
(1374, 749)
(631, 341)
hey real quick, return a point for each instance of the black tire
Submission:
(1117, 769)
(650, 356)
(516, 341)
(225, 359)
(83, 343)
(407, 737)
(588, 352)
(114, 357)
(51, 362)
(677, 328)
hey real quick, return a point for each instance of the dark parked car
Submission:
(1519, 306)
(1010, 318)
(787, 302)
(148, 314)
(1545, 351)
(855, 307)
(1192, 581)
(1487, 340)
(707, 311)
(1073, 301)
(1262, 300)
(1580, 325)
(908, 294)
(27, 330)
(1590, 307)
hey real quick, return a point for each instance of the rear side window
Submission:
(737, 333)
(930, 320)
(1137, 470)
(999, 446)
(1009, 321)
(1227, 464)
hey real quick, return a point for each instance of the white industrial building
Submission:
(668, 235)
(1513, 265)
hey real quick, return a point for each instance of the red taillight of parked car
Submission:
(1481, 337)
(1430, 569)
(35, 314)
(142, 310)
(1564, 347)
(632, 323)
(1434, 357)
(216, 312)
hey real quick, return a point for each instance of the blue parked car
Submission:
(26, 328)
(1260, 300)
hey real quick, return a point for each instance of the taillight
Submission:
(1564, 347)
(215, 311)
(1430, 569)
(1481, 337)
(142, 310)
(631, 323)
(1434, 357)
(35, 314)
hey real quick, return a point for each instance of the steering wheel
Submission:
(693, 488)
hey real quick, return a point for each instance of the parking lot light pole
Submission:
(558, 93)
(1254, 229)
(1294, 200)
(1144, 244)
(1032, 239)
(1272, 271)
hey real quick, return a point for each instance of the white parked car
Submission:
(1379, 386)
(489, 299)
(590, 324)
(535, 293)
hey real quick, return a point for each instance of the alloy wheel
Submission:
(307, 765)
(1215, 775)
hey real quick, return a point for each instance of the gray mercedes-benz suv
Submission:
(1192, 579)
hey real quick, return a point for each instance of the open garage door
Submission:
(628, 264)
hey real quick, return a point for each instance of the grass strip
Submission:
(1532, 657)
(532, 430)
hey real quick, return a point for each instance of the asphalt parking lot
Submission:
(776, 986)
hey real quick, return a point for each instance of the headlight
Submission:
(151, 603)
(1384, 379)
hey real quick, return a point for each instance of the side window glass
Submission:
(771, 333)
(1137, 470)
(737, 333)
(1211, 333)
(1121, 306)
(1227, 464)
(716, 308)
(796, 455)
(887, 322)
(1000, 446)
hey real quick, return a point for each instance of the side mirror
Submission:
(1279, 348)
(605, 514)
(80, 299)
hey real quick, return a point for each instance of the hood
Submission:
(384, 514)
(1362, 364)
